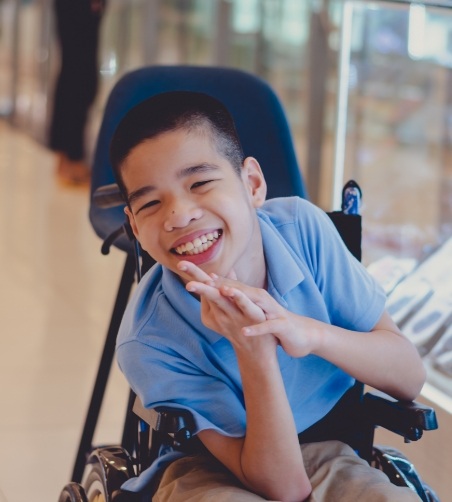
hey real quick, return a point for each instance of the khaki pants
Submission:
(337, 474)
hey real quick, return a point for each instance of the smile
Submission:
(198, 245)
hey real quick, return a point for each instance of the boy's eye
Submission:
(200, 183)
(148, 204)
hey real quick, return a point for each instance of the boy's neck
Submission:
(256, 274)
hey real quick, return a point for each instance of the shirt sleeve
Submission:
(162, 377)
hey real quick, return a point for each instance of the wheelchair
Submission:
(153, 437)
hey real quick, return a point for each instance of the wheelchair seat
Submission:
(265, 134)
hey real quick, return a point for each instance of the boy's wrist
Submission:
(317, 337)
(257, 352)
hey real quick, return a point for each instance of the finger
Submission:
(209, 293)
(257, 295)
(269, 326)
(243, 303)
(220, 282)
(201, 288)
(192, 272)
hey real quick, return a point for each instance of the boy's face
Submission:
(188, 203)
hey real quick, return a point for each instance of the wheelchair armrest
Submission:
(405, 418)
(177, 422)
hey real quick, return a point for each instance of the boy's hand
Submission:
(293, 332)
(224, 309)
(256, 313)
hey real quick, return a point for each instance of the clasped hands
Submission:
(242, 313)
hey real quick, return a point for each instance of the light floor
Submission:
(56, 295)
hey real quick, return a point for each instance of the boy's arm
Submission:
(268, 459)
(384, 358)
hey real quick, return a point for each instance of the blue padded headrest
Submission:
(260, 120)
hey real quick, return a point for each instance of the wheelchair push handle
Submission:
(108, 196)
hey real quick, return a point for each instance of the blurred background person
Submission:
(77, 29)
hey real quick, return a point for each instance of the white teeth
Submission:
(199, 245)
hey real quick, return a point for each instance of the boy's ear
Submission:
(132, 222)
(254, 181)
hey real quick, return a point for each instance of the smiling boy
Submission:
(244, 321)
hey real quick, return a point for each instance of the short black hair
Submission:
(171, 111)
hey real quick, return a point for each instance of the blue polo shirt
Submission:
(170, 358)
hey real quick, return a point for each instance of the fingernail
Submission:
(191, 288)
(229, 291)
(213, 276)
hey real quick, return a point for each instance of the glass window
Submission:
(397, 135)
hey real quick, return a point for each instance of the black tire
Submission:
(73, 492)
(95, 488)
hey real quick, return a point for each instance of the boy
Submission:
(244, 321)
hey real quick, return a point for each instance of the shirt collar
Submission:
(283, 270)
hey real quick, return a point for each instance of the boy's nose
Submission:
(180, 215)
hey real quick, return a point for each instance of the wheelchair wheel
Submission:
(401, 472)
(95, 486)
(107, 469)
(430, 494)
(73, 492)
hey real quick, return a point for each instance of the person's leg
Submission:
(335, 471)
(77, 27)
(338, 474)
(201, 478)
